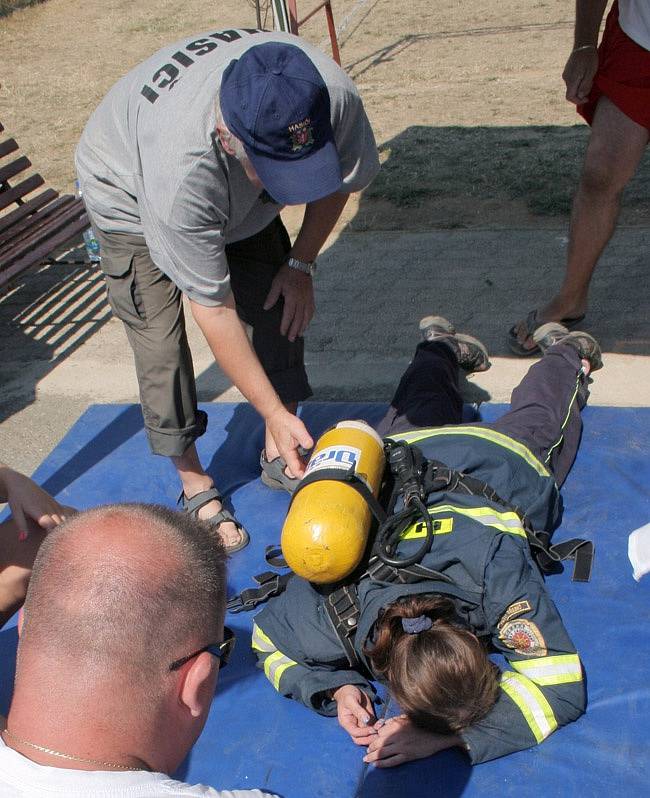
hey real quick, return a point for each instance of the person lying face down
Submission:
(437, 668)
(118, 658)
(479, 590)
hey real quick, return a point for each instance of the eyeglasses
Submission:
(221, 651)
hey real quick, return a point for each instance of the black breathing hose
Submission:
(406, 471)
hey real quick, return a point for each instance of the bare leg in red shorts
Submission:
(615, 148)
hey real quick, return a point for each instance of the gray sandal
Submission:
(193, 505)
(274, 476)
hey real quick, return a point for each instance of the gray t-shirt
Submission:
(149, 162)
(22, 778)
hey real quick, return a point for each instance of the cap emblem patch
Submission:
(301, 134)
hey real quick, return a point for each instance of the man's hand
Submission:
(579, 75)
(355, 713)
(297, 289)
(32, 508)
(289, 433)
(398, 740)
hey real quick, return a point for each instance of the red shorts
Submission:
(623, 75)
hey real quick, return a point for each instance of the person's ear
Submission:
(225, 137)
(199, 684)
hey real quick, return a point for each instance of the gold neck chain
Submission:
(61, 755)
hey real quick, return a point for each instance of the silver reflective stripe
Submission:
(532, 704)
(260, 641)
(560, 669)
(275, 665)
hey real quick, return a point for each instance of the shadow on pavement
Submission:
(471, 223)
(46, 316)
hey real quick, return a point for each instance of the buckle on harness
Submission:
(270, 584)
(342, 607)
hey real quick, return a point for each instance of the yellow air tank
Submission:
(326, 529)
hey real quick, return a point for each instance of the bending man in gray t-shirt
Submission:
(184, 167)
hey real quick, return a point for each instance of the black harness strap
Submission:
(342, 607)
(349, 477)
(270, 584)
(439, 476)
(378, 571)
(274, 557)
(548, 557)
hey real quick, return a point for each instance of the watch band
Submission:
(306, 267)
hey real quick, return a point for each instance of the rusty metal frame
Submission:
(295, 23)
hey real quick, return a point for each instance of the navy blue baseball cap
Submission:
(274, 100)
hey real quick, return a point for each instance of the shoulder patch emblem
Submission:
(524, 637)
(513, 611)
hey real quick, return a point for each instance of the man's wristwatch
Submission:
(306, 267)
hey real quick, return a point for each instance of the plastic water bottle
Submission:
(91, 243)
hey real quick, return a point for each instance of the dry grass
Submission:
(466, 100)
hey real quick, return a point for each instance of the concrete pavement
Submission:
(61, 350)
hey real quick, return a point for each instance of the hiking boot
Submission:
(584, 344)
(432, 327)
(470, 353)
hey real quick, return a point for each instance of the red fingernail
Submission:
(22, 536)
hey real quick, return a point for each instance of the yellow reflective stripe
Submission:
(561, 669)
(277, 662)
(531, 703)
(565, 422)
(275, 665)
(505, 522)
(478, 432)
(260, 641)
(442, 526)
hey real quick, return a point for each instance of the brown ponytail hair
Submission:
(441, 677)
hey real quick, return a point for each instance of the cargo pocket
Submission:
(123, 293)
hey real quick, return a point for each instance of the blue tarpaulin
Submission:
(256, 738)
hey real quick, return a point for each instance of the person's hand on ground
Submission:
(32, 508)
(398, 740)
(288, 432)
(355, 713)
(297, 289)
(579, 74)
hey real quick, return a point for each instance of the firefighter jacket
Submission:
(495, 585)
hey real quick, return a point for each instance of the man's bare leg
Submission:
(194, 480)
(615, 148)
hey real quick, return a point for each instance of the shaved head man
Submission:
(119, 655)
